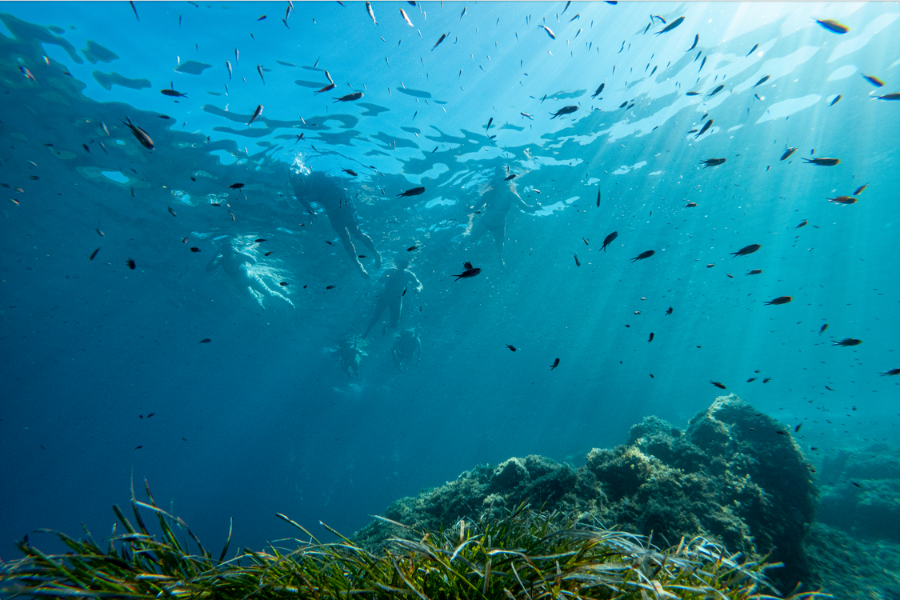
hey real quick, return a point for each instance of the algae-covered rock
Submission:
(734, 476)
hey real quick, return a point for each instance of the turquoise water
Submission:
(264, 398)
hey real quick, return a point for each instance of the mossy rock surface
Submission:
(735, 475)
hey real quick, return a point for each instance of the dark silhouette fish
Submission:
(706, 126)
(555, 364)
(716, 91)
(349, 97)
(599, 89)
(717, 384)
(327, 88)
(823, 162)
(643, 255)
(848, 342)
(787, 153)
(712, 162)
(844, 200)
(173, 93)
(752, 49)
(565, 110)
(891, 372)
(670, 311)
(833, 26)
(140, 134)
(413, 192)
(672, 25)
(755, 272)
(609, 239)
(835, 101)
(511, 347)
(874, 80)
(894, 96)
(780, 300)
(256, 114)
(761, 81)
(746, 250)
(469, 272)
(440, 39)
(696, 39)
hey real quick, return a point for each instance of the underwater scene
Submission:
(450, 300)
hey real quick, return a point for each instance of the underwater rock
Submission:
(735, 476)
(860, 492)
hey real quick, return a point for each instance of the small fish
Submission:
(787, 153)
(259, 240)
(716, 91)
(205, 341)
(803, 223)
(752, 49)
(577, 262)
(131, 264)
(717, 384)
(524, 114)
(669, 312)
(671, 25)
(412, 192)
(690, 205)
(692, 94)
(94, 253)
(833, 26)
(780, 300)
(262, 18)
(329, 287)
(751, 380)
(564, 111)
(440, 39)
(651, 337)
(511, 347)
(259, 70)
(172, 212)
(599, 89)
(349, 97)
(860, 189)
(712, 162)
(510, 177)
(174, 93)
(696, 39)
(371, 13)
(463, 13)
(585, 241)
(848, 342)
(833, 102)
(469, 272)
(86, 149)
(411, 248)
(550, 33)
(761, 81)
(195, 249)
(327, 88)
(406, 18)
(609, 239)
(134, 8)
(237, 56)
(894, 96)
(256, 114)
(140, 134)
(103, 125)
(283, 283)
(843, 200)
(823, 328)
(703, 62)
(873, 80)
(890, 373)
(350, 172)
(767, 380)
(706, 126)
(746, 250)
(555, 364)
(236, 186)
(599, 191)
(643, 255)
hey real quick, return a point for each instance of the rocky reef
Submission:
(735, 476)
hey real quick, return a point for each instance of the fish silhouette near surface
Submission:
(469, 272)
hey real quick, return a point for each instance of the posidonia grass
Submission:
(528, 554)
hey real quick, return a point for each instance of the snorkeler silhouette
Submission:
(350, 355)
(497, 201)
(407, 349)
(235, 264)
(397, 282)
(325, 191)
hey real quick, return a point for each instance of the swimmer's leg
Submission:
(376, 316)
(499, 234)
(344, 234)
(368, 243)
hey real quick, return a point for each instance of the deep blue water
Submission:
(264, 418)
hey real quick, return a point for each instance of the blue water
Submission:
(265, 417)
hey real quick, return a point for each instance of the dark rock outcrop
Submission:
(735, 476)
